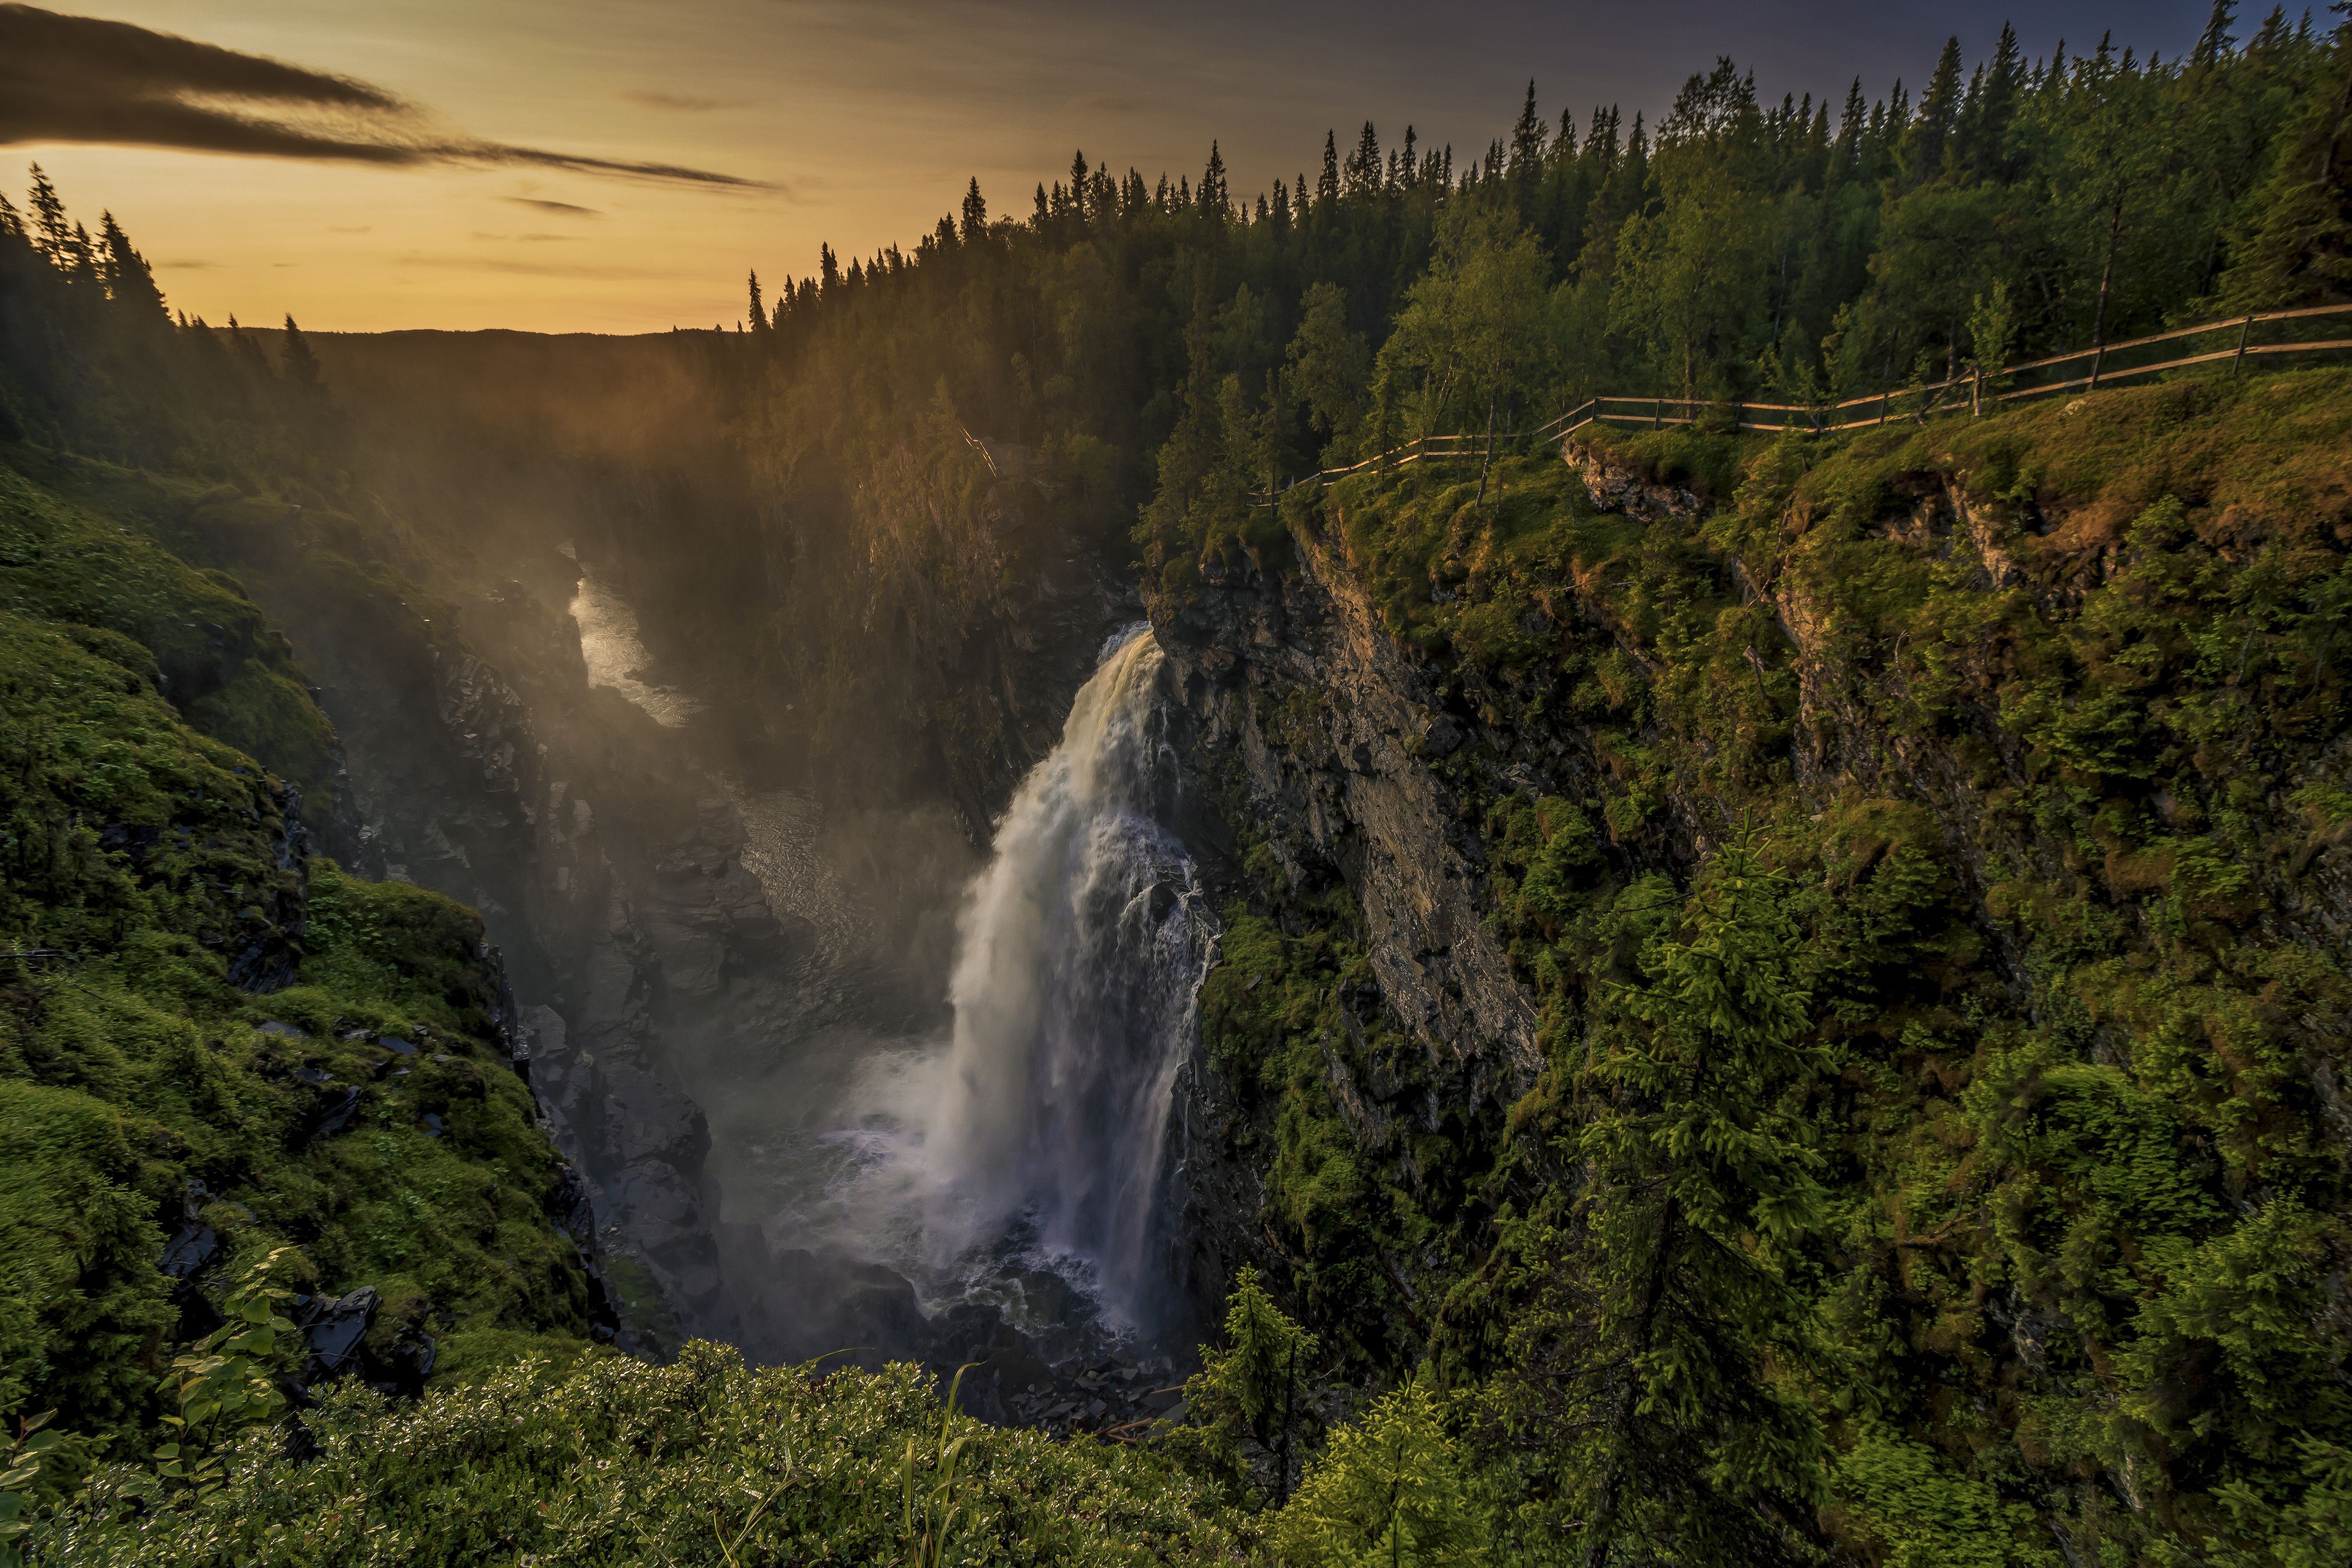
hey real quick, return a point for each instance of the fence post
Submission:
(2098, 358)
(2239, 362)
(1976, 394)
(1658, 416)
(1884, 399)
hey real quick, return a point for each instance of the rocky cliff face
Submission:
(1330, 728)
(1309, 735)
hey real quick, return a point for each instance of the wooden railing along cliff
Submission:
(1912, 402)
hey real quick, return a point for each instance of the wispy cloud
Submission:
(189, 266)
(532, 269)
(684, 103)
(78, 78)
(562, 209)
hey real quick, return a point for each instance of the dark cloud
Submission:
(77, 78)
(562, 209)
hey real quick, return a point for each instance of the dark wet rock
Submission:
(264, 964)
(334, 1116)
(192, 1246)
(333, 1329)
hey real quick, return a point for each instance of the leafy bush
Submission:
(704, 1462)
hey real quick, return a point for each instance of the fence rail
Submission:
(1916, 403)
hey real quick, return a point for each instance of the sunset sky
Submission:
(597, 166)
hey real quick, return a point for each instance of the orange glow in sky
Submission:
(857, 123)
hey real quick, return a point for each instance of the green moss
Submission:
(206, 647)
(145, 869)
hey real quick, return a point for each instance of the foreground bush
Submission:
(703, 1462)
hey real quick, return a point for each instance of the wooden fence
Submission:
(1971, 392)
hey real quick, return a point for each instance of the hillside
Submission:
(1778, 999)
(2027, 737)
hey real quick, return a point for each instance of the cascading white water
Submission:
(1081, 951)
(610, 647)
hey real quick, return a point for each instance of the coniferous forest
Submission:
(1879, 1098)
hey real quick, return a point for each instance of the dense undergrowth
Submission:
(203, 1032)
(701, 1462)
(2037, 724)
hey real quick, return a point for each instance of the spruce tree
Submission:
(1363, 169)
(1528, 136)
(301, 366)
(2296, 249)
(1248, 1389)
(1327, 185)
(1214, 203)
(2215, 44)
(975, 211)
(124, 272)
(1662, 1312)
(1388, 1492)
(759, 308)
(51, 236)
(1922, 154)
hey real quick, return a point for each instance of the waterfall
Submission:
(1080, 954)
(610, 647)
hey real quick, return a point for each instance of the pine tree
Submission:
(1249, 1388)
(1921, 157)
(1528, 137)
(828, 268)
(2215, 44)
(2297, 247)
(1364, 167)
(128, 280)
(51, 237)
(1387, 1493)
(1993, 108)
(1327, 185)
(759, 308)
(1214, 203)
(975, 211)
(302, 368)
(1645, 1363)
